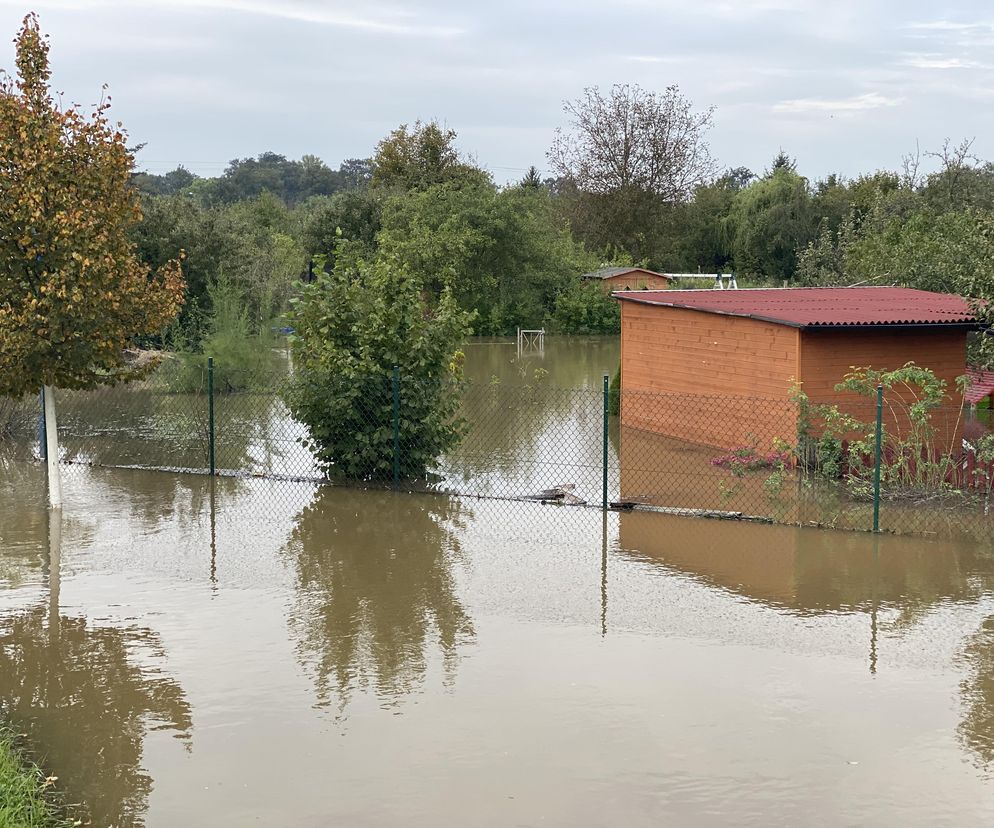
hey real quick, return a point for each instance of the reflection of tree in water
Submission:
(22, 518)
(155, 499)
(376, 591)
(977, 728)
(89, 706)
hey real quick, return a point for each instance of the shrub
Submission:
(350, 330)
(242, 357)
(584, 308)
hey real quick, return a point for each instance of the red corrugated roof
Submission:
(818, 307)
(981, 385)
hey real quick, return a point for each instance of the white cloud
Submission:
(844, 87)
(949, 26)
(939, 62)
(383, 20)
(651, 59)
(859, 103)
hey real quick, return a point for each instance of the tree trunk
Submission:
(52, 450)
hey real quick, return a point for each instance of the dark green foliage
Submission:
(704, 228)
(584, 308)
(353, 216)
(412, 158)
(291, 181)
(532, 178)
(175, 182)
(351, 329)
(502, 253)
(251, 245)
(242, 354)
(355, 173)
(771, 221)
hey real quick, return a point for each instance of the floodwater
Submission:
(198, 653)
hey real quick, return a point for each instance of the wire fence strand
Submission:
(744, 458)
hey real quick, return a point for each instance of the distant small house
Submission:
(628, 278)
(708, 366)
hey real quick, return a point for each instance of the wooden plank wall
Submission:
(827, 355)
(706, 378)
(635, 281)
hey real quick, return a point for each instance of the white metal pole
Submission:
(54, 571)
(52, 450)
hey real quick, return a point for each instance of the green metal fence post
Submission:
(210, 415)
(607, 391)
(878, 458)
(396, 425)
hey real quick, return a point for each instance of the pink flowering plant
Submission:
(745, 459)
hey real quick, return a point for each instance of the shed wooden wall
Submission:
(635, 280)
(826, 356)
(706, 378)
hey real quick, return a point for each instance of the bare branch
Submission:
(631, 138)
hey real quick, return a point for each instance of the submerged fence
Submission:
(851, 462)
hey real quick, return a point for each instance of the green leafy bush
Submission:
(243, 358)
(351, 329)
(584, 308)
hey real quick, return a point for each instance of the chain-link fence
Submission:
(775, 460)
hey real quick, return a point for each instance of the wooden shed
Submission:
(709, 366)
(628, 278)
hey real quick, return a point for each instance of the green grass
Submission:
(25, 801)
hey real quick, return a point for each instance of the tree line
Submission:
(632, 182)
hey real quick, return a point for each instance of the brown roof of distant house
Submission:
(609, 272)
(818, 307)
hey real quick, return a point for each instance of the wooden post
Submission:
(52, 450)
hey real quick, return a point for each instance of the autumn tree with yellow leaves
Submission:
(73, 293)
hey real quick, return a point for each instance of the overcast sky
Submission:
(843, 85)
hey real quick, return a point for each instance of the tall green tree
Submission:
(503, 253)
(180, 180)
(416, 157)
(772, 220)
(703, 227)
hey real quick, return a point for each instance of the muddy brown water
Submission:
(256, 652)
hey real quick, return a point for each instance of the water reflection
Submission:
(20, 528)
(977, 727)
(810, 571)
(157, 499)
(88, 695)
(143, 424)
(570, 362)
(376, 592)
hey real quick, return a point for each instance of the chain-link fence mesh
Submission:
(776, 460)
